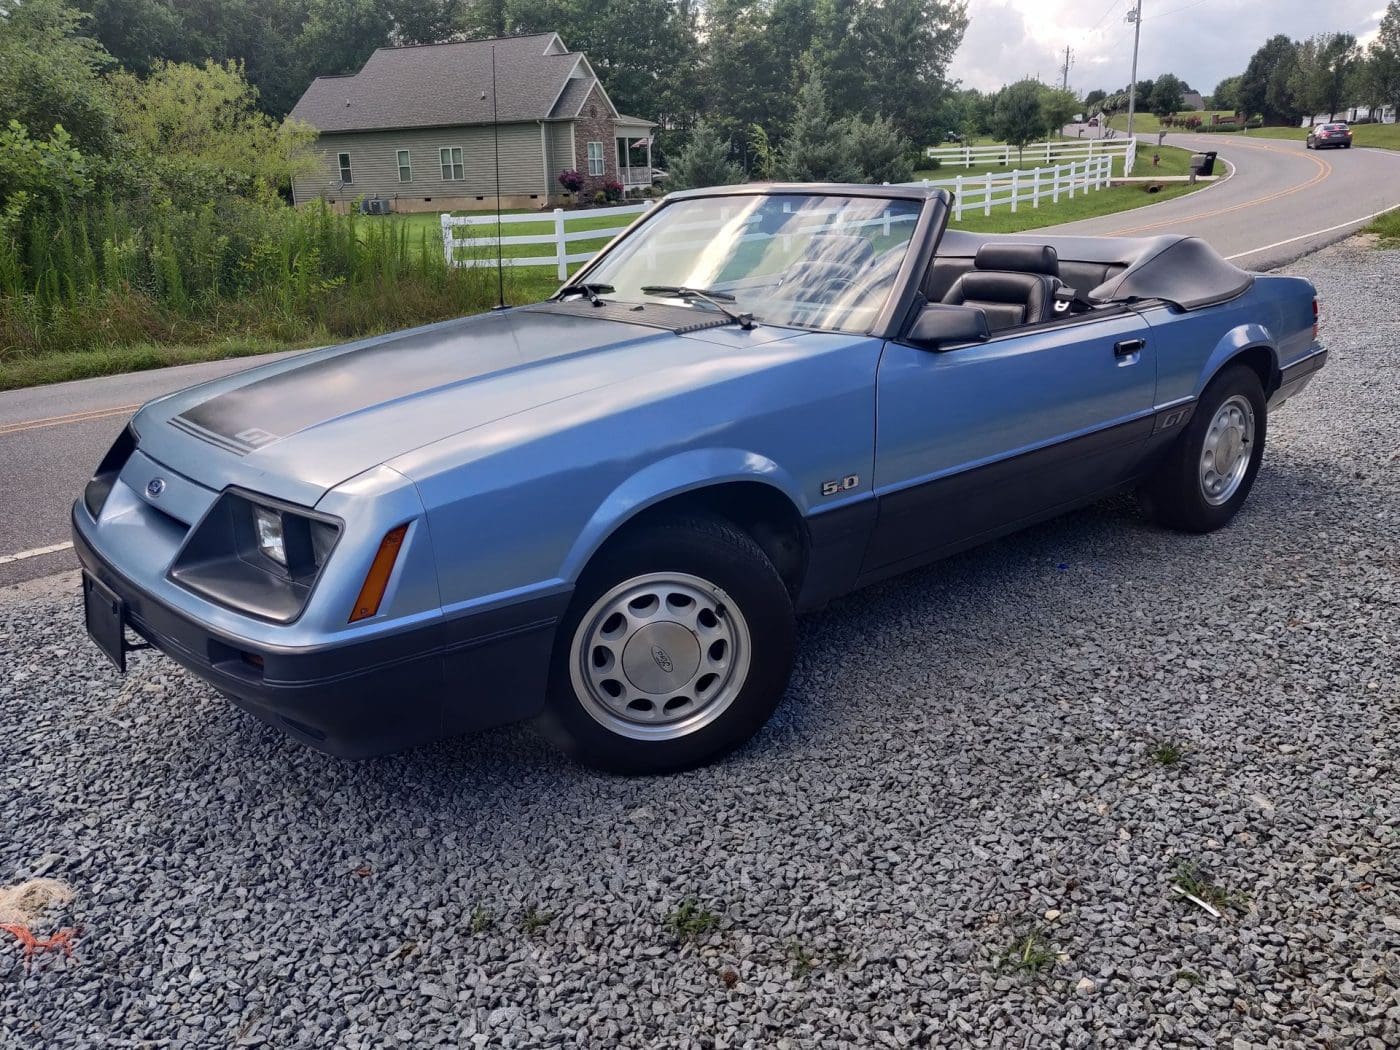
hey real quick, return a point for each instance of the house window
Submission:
(405, 167)
(345, 173)
(451, 159)
(595, 158)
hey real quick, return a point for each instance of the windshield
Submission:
(789, 259)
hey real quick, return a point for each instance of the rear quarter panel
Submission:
(1276, 314)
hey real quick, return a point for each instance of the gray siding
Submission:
(374, 164)
(561, 152)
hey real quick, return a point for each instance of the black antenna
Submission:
(496, 132)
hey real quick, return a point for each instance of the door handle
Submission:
(1129, 347)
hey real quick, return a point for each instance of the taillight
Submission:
(1317, 317)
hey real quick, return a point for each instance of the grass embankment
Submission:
(1387, 228)
(105, 289)
(1376, 136)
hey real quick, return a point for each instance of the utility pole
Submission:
(1064, 70)
(1135, 17)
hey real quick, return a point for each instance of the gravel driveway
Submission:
(964, 825)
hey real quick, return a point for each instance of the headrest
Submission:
(1019, 258)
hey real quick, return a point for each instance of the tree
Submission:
(50, 75)
(1168, 95)
(705, 160)
(876, 150)
(1226, 94)
(1019, 117)
(1322, 71)
(206, 118)
(813, 150)
(1383, 64)
(890, 56)
(1094, 99)
(763, 163)
(1058, 108)
(1265, 84)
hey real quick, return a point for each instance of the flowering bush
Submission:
(571, 180)
(613, 189)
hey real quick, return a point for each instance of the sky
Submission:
(1201, 41)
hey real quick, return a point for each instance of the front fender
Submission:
(674, 476)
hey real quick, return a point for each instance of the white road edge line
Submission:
(37, 552)
(1315, 233)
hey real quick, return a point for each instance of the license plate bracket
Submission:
(105, 615)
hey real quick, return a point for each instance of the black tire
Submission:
(1174, 496)
(711, 550)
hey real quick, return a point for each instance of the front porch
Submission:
(633, 157)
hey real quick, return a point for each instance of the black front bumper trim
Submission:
(361, 698)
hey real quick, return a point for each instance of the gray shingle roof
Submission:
(440, 85)
(571, 101)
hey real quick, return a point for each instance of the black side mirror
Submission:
(939, 326)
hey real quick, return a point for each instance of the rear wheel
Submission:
(676, 649)
(1209, 472)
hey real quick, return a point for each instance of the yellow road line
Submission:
(72, 417)
(1325, 169)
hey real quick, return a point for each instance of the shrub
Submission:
(600, 197)
(571, 180)
(705, 160)
(613, 189)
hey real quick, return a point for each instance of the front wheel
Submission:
(676, 650)
(1209, 472)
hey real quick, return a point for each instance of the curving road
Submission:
(1279, 203)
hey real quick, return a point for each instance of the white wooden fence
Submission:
(971, 193)
(998, 189)
(559, 239)
(1048, 152)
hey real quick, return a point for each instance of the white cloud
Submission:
(1201, 41)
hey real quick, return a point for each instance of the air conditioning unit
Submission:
(375, 206)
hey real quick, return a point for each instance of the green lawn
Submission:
(1387, 228)
(1087, 206)
(1378, 136)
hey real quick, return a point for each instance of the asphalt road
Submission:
(51, 438)
(1279, 203)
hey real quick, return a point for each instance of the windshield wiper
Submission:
(590, 290)
(705, 295)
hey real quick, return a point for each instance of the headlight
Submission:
(271, 539)
(256, 555)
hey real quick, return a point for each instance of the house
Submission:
(1192, 101)
(414, 125)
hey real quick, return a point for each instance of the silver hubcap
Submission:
(660, 656)
(1228, 448)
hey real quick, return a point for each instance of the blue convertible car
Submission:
(602, 512)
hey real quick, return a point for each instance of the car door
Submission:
(975, 441)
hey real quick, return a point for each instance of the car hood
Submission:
(298, 427)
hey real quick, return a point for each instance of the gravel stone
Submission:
(965, 756)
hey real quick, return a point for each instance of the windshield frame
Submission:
(890, 320)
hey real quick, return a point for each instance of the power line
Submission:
(1107, 11)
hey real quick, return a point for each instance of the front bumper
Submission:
(367, 697)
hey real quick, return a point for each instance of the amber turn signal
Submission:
(372, 593)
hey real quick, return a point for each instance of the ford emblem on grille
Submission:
(155, 487)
